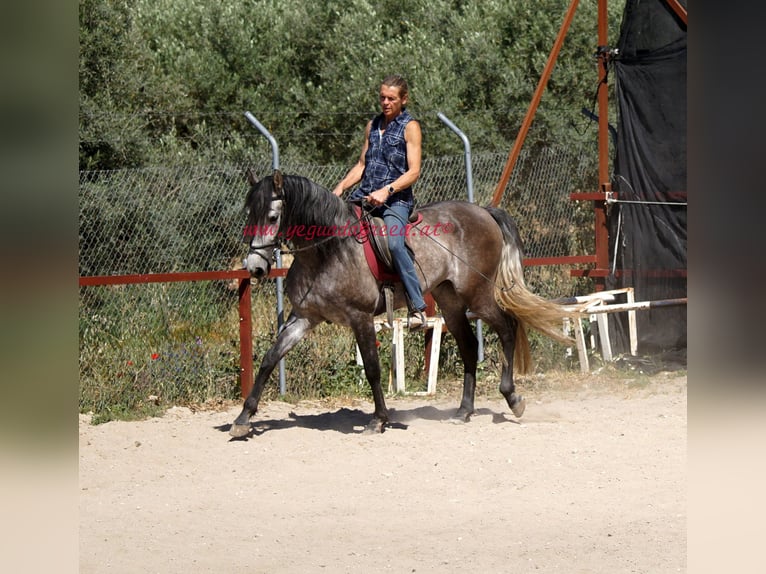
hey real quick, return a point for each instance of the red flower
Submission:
(155, 356)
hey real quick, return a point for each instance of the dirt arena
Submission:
(591, 479)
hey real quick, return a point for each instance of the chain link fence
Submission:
(159, 344)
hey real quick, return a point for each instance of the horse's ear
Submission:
(251, 179)
(278, 182)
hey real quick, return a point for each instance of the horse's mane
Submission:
(308, 203)
(305, 204)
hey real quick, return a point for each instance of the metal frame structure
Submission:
(604, 194)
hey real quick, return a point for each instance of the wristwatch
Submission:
(391, 190)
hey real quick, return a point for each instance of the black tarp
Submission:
(647, 227)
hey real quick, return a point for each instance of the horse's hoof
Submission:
(518, 406)
(239, 431)
(460, 417)
(375, 426)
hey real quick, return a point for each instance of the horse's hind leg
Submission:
(508, 389)
(453, 311)
(505, 327)
(294, 330)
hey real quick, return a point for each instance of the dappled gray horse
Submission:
(467, 257)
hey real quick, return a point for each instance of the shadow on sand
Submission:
(354, 421)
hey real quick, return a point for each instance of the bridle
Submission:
(277, 195)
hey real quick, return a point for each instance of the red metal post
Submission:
(245, 337)
(516, 150)
(605, 186)
(680, 11)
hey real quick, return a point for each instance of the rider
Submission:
(388, 167)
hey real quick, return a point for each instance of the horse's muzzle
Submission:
(257, 265)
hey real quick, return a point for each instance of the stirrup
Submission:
(416, 320)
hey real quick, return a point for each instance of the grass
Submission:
(143, 349)
(146, 348)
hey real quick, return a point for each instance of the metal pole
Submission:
(469, 184)
(601, 229)
(280, 297)
(467, 147)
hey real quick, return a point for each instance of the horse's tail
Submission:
(512, 294)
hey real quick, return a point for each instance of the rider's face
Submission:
(391, 103)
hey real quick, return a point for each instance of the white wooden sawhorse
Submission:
(596, 306)
(396, 374)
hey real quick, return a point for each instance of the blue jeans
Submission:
(395, 219)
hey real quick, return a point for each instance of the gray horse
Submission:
(468, 257)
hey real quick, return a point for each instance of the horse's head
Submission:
(264, 206)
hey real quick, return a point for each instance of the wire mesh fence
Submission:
(190, 218)
(178, 342)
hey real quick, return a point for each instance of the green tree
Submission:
(168, 80)
(109, 135)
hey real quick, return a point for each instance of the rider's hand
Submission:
(378, 197)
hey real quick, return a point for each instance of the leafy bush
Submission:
(168, 82)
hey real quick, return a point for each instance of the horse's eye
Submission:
(273, 219)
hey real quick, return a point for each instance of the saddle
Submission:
(378, 255)
(376, 245)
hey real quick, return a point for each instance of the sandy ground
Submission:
(591, 479)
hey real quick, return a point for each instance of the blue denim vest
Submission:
(386, 160)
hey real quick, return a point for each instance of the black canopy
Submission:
(647, 228)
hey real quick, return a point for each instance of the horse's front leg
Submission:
(364, 331)
(294, 330)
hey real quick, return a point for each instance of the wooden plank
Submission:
(582, 351)
(603, 335)
(433, 369)
(637, 305)
(632, 329)
(397, 355)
